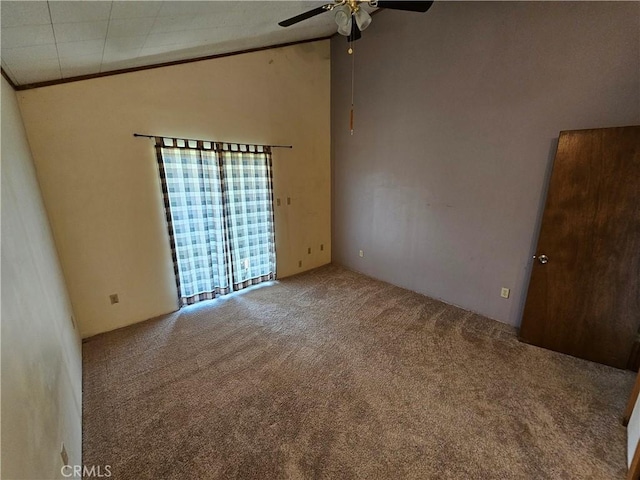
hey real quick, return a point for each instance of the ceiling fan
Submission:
(351, 19)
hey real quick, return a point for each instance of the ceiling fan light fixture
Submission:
(343, 20)
(363, 19)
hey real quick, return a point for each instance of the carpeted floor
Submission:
(331, 374)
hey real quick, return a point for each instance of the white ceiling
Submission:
(53, 40)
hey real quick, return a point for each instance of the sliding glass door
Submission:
(219, 208)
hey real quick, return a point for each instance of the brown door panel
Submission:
(585, 301)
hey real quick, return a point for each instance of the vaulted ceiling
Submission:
(45, 41)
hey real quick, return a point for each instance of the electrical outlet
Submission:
(504, 293)
(321, 247)
(288, 200)
(309, 250)
(278, 202)
(361, 253)
(299, 263)
(114, 299)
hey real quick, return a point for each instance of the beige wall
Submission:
(101, 187)
(41, 351)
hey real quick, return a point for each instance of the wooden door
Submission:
(584, 295)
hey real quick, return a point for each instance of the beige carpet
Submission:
(331, 374)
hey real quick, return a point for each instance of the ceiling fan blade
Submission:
(356, 34)
(407, 6)
(304, 16)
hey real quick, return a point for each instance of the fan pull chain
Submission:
(353, 73)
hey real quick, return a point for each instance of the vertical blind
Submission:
(218, 202)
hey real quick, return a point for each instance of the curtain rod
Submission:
(211, 141)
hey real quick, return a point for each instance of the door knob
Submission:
(542, 258)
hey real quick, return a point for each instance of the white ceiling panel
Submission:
(80, 31)
(16, 14)
(119, 65)
(83, 11)
(45, 70)
(179, 23)
(22, 56)
(133, 9)
(123, 27)
(80, 65)
(169, 38)
(124, 44)
(110, 57)
(78, 71)
(173, 9)
(42, 41)
(168, 53)
(227, 19)
(80, 61)
(28, 35)
(80, 49)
